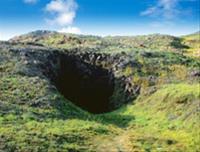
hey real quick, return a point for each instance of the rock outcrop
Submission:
(90, 80)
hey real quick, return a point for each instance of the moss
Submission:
(35, 117)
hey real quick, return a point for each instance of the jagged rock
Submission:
(95, 74)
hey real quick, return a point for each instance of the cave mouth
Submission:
(87, 86)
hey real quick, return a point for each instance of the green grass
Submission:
(154, 42)
(164, 120)
(193, 41)
(165, 117)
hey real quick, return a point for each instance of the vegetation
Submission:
(165, 116)
(193, 41)
(188, 44)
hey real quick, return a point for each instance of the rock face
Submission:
(96, 81)
(89, 80)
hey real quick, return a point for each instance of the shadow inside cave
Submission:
(87, 86)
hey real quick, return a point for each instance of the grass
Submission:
(187, 45)
(152, 123)
(34, 116)
(159, 121)
(193, 41)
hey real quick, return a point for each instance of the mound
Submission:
(76, 96)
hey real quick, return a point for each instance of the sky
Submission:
(99, 17)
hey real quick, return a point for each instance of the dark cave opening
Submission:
(87, 86)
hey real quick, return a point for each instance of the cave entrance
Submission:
(87, 86)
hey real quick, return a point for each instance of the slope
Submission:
(35, 116)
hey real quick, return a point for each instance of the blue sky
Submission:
(99, 17)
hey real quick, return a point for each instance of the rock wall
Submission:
(96, 74)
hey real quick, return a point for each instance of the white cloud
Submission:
(30, 1)
(70, 29)
(63, 12)
(165, 15)
(65, 18)
(149, 11)
(168, 9)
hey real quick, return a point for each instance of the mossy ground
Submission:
(167, 120)
(34, 116)
(193, 41)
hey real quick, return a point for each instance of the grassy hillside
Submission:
(193, 41)
(149, 125)
(35, 116)
(188, 45)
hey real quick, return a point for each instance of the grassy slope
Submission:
(193, 41)
(111, 44)
(167, 120)
(158, 123)
(35, 117)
